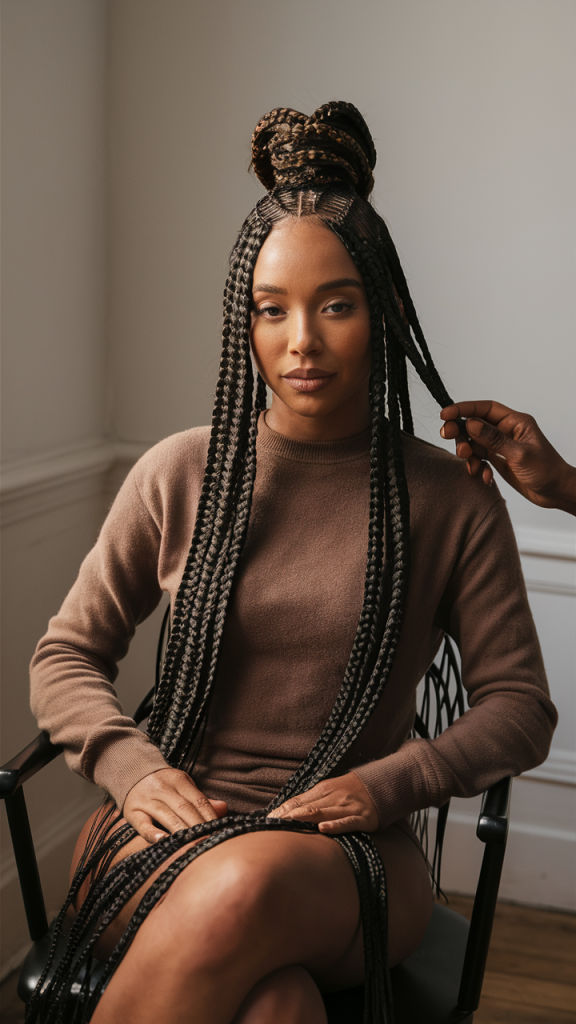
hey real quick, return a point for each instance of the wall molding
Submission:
(541, 542)
(33, 486)
(29, 477)
(559, 767)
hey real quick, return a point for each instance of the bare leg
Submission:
(288, 996)
(251, 907)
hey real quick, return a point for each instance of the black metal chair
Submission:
(439, 984)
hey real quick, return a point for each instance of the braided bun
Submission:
(290, 150)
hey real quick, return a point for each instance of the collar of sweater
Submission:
(345, 450)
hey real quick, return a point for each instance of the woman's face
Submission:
(311, 332)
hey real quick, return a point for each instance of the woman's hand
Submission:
(514, 444)
(336, 805)
(168, 798)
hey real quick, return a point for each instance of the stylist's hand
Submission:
(336, 805)
(514, 444)
(170, 798)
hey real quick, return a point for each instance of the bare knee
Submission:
(287, 996)
(224, 914)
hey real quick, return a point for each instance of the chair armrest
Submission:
(25, 764)
(494, 817)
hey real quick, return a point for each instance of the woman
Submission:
(322, 574)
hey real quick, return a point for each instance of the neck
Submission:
(342, 422)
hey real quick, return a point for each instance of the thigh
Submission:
(308, 894)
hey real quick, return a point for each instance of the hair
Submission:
(317, 166)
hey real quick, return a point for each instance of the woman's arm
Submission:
(75, 663)
(511, 719)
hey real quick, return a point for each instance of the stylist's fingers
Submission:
(492, 439)
(486, 409)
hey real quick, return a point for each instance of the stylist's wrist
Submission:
(566, 498)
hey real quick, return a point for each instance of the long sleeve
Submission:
(510, 722)
(75, 664)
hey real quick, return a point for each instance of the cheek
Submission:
(359, 352)
(265, 348)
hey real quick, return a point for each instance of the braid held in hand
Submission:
(317, 166)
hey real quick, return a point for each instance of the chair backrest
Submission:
(442, 702)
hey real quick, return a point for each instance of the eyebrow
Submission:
(270, 288)
(341, 282)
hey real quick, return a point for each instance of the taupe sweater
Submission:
(291, 625)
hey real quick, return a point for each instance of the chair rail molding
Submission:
(540, 542)
(33, 486)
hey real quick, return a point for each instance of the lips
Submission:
(307, 380)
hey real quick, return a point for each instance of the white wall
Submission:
(53, 377)
(472, 109)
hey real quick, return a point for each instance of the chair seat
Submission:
(425, 986)
(35, 963)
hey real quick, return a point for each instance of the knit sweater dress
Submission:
(291, 624)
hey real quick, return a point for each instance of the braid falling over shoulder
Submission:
(311, 166)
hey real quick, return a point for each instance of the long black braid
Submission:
(319, 166)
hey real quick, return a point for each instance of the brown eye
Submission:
(272, 311)
(339, 307)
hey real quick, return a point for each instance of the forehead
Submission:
(303, 250)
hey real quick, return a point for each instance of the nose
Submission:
(304, 338)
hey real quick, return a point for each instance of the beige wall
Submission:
(53, 376)
(472, 109)
(52, 224)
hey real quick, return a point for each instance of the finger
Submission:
(484, 410)
(337, 826)
(220, 806)
(501, 466)
(487, 475)
(464, 450)
(492, 439)
(474, 465)
(188, 802)
(166, 816)
(286, 809)
(145, 827)
(450, 430)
